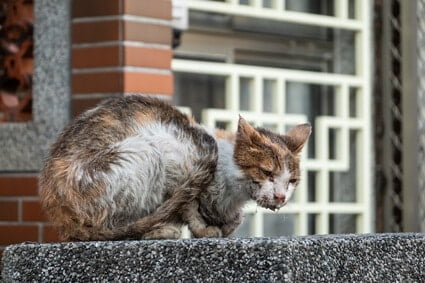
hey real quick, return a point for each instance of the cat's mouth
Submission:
(272, 206)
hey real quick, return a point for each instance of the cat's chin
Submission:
(271, 206)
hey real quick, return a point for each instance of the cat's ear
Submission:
(246, 133)
(297, 137)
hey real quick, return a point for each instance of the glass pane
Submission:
(246, 92)
(343, 184)
(352, 9)
(342, 223)
(243, 230)
(344, 52)
(313, 101)
(268, 3)
(353, 92)
(199, 91)
(312, 224)
(311, 186)
(334, 143)
(269, 96)
(272, 127)
(322, 7)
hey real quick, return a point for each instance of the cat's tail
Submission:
(169, 211)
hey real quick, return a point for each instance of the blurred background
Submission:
(352, 68)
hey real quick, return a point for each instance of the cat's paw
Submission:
(209, 232)
(231, 226)
(228, 229)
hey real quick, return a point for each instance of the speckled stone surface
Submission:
(350, 258)
(23, 145)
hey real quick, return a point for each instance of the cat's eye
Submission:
(293, 181)
(266, 172)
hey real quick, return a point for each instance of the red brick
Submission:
(147, 57)
(91, 57)
(148, 83)
(160, 9)
(50, 235)
(8, 210)
(97, 82)
(110, 56)
(18, 185)
(10, 234)
(136, 31)
(87, 32)
(32, 211)
(93, 8)
(147, 8)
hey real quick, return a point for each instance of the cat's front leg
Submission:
(197, 224)
(231, 226)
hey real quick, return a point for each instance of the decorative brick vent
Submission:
(351, 258)
(16, 60)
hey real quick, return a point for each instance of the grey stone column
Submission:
(23, 145)
(421, 112)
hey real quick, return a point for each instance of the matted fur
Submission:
(135, 167)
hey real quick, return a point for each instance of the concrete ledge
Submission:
(380, 257)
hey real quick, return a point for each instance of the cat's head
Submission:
(271, 161)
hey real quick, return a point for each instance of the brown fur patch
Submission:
(109, 121)
(143, 117)
(60, 165)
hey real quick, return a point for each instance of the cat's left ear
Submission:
(247, 133)
(297, 137)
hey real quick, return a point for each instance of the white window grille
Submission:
(342, 138)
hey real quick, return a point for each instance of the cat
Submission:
(135, 167)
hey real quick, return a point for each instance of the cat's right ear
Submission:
(297, 137)
(247, 133)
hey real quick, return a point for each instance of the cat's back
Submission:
(114, 120)
(127, 143)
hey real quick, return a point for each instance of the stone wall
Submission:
(350, 258)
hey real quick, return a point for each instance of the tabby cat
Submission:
(135, 167)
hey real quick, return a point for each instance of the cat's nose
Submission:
(280, 197)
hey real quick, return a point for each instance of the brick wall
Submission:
(21, 218)
(119, 47)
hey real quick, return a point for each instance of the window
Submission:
(280, 63)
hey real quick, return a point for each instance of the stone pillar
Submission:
(402, 186)
(120, 47)
(421, 113)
